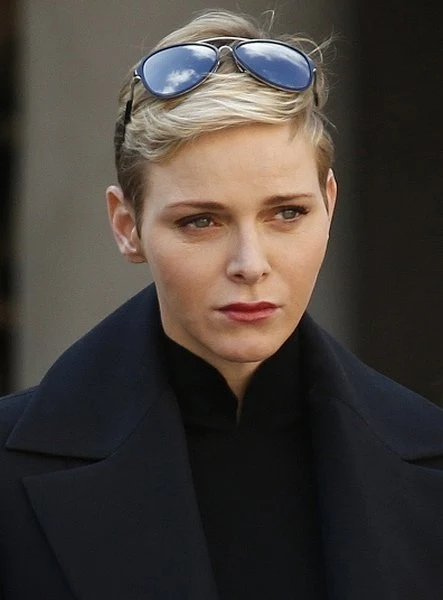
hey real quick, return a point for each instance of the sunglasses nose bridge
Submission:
(225, 47)
(224, 50)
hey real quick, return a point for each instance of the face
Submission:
(234, 230)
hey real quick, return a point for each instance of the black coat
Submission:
(96, 496)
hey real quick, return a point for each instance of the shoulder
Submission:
(408, 423)
(96, 392)
(330, 362)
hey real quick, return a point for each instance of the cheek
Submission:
(307, 253)
(181, 274)
(318, 250)
(314, 261)
(166, 269)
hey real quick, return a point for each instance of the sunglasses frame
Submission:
(243, 68)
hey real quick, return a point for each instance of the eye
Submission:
(196, 222)
(291, 213)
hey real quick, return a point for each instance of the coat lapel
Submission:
(128, 526)
(123, 522)
(380, 511)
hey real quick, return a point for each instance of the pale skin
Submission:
(237, 216)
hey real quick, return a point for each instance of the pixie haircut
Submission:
(227, 98)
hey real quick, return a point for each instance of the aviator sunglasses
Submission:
(175, 70)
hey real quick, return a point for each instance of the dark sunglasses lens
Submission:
(276, 63)
(177, 69)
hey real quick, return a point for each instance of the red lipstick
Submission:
(249, 311)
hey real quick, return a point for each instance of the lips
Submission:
(249, 311)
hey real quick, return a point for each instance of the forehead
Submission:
(249, 157)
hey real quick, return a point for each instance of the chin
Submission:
(249, 353)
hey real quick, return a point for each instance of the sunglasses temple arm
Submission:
(314, 88)
(129, 103)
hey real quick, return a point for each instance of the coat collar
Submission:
(403, 421)
(102, 386)
(107, 381)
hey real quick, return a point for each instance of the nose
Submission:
(248, 262)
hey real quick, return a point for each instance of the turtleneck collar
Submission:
(271, 401)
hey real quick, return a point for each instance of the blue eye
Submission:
(196, 222)
(200, 222)
(289, 213)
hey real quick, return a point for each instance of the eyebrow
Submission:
(282, 198)
(210, 205)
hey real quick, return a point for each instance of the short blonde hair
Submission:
(228, 98)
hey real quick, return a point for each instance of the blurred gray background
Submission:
(381, 288)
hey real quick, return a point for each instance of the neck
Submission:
(237, 377)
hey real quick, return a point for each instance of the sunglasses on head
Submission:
(176, 70)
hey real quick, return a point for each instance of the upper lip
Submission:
(248, 306)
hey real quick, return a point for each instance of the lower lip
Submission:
(249, 316)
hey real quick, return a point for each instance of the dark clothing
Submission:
(254, 480)
(96, 492)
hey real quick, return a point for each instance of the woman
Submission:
(208, 440)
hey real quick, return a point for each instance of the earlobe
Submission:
(122, 221)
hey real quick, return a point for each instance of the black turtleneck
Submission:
(253, 480)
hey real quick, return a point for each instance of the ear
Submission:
(122, 220)
(331, 193)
